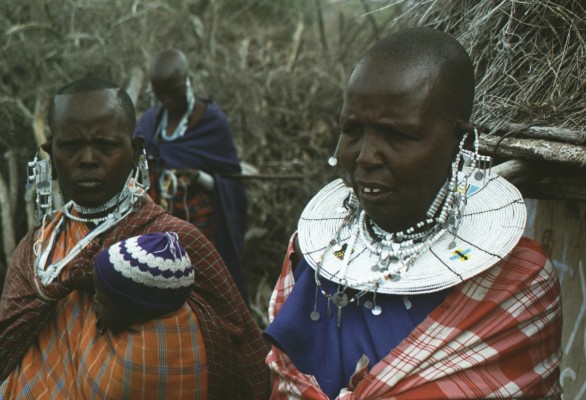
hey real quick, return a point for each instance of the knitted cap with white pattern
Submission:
(152, 271)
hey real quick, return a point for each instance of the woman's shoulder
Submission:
(527, 268)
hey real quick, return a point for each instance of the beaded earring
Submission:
(477, 163)
(142, 180)
(333, 160)
(142, 171)
(40, 180)
(467, 163)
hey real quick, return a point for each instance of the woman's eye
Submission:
(351, 130)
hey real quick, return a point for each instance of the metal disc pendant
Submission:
(368, 304)
(374, 268)
(395, 278)
(376, 310)
(340, 299)
(315, 316)
(452, 245)
(478, 175)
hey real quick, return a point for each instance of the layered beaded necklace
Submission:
(182, 125)
(392, 254)
(119, 206)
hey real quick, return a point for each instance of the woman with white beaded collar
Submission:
(406, 279)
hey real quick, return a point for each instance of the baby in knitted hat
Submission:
(140, 278)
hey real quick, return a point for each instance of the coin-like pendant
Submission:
(340, 299)
(314, 315)
(376, 310)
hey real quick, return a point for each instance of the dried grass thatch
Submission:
(529, 56)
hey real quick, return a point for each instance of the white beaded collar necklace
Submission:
(475, 220)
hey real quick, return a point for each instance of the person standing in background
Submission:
(193, 155)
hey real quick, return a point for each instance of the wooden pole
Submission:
(539, 132)
(322, 29)
(135, 84)
(531, 149)
(8, 242)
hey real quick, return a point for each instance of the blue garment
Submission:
(207, 146)
(329, 353)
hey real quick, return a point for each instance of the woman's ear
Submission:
(137, 147)
(463, 126)
(48, 148)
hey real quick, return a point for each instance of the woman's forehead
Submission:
(404, 88)
(88, 108)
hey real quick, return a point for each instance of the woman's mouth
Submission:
(371, 190)
(88, 183)
(374, 193)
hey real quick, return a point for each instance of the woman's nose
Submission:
(371, 148)
(87, 155)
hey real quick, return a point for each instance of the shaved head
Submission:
(169, 64)
(437, 55)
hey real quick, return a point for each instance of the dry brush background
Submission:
(278, 69)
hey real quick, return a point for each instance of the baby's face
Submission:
(105, 308)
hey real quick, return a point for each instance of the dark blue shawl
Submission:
(207, 146)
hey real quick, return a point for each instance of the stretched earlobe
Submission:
(47, 147)
(138, 147)
(463, 127)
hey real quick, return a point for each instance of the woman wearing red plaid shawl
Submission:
(409, 279)
(47, 326)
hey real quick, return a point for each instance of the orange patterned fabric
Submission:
(496, 335)
(161, 359)
(71, 234)
(234, 348)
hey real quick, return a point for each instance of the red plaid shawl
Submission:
(233, 344)
(496, 335)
